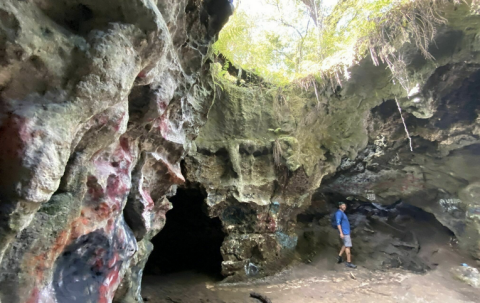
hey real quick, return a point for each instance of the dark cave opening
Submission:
(398, 235)
(189, 241)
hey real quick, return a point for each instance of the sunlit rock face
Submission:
(99, 102)
(348, 140)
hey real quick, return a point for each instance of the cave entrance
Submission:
(190, 240)
(399, 235)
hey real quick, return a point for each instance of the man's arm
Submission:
(340, 230)
(338, 218)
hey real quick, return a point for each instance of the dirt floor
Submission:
(414, 241)
(323, 281)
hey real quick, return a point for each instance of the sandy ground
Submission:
(321, 281)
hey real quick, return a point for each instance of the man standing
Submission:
(344, 228)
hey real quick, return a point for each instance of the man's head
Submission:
(342, 206)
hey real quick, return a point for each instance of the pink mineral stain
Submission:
(147, 198)
(142, 74)
(95, 191)
(35, 296)
(15, 136)
(116, 170)
(102, 207)
(161, 124)
(271, 225)
(109, 286)
(119, 122)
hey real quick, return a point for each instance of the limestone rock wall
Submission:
(441, 113)
(256, 200)
(99, 101)
(265, 151)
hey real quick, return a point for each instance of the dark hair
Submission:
(340, 203)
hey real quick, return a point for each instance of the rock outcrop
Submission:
(264, 151)
(385, 237)
(100, 101)
(441, 115)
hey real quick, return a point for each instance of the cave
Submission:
(144, 154)
(190, 240)
(398, 235)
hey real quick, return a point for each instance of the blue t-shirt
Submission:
(342, 220)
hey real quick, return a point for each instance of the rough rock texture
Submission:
(442, 117)
(256, 201)
(264, 151)
(384, 237)
(467, 274)
(99, 101)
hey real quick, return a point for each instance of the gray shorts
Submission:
(347, 241)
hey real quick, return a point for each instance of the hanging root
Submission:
(277, 153)
(259, 297)
(404, 125)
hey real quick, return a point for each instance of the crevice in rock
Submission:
(190, 240)
(460, 105)
(138, 102)
(80, 18)
(222, 156)
(80, 14)
(386, 110)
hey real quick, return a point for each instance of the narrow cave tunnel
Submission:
(399, 235)
(190, 240)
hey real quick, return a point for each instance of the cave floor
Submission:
(320, 281)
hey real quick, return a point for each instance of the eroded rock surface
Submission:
(99, 103)
(467, 274)
(265, 151)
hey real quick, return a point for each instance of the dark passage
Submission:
(190, 240)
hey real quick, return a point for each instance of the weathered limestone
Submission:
(99, 102)
(264, 151)
(467, 274)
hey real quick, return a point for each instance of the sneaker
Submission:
(339, 259)
(348, 264)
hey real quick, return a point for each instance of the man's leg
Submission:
(348, 246)
(339, 258)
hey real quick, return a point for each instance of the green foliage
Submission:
(266, 52)
(299, 39)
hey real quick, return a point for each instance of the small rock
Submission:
(368, 230)
(467, 274)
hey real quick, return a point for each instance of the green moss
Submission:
(58, 205)
(339, 38)
(314, 129)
